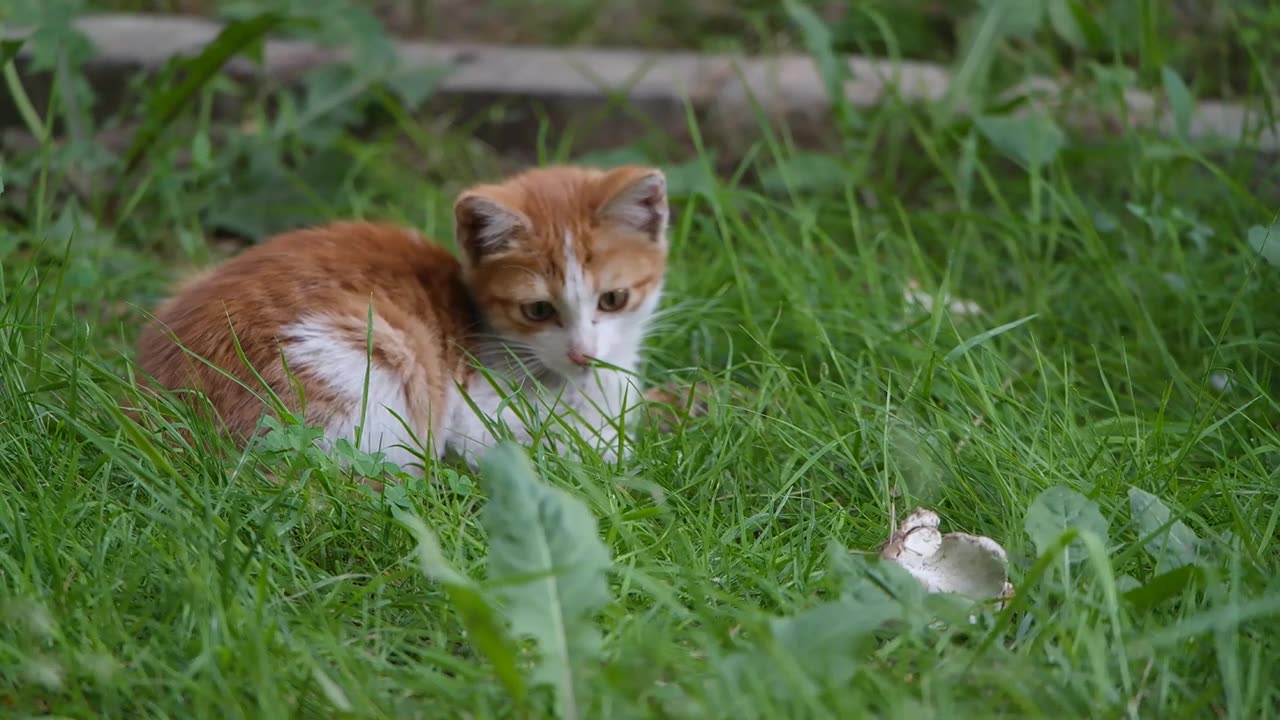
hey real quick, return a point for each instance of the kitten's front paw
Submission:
(671, 404)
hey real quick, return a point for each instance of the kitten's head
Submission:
(567, 264)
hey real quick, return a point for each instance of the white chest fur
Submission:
(596, 412)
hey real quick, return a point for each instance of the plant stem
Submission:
(23, 102)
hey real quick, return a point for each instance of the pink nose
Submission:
(578, 358)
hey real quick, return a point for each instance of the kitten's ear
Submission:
(635, 198)
(484, 224)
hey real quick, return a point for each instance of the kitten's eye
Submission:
(540, 311)
(613, 300)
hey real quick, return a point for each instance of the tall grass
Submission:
(1124, 356)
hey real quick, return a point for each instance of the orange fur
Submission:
(305, 296)
(337, 269)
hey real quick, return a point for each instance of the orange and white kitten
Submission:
(561, 271)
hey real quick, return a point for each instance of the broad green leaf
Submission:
(868, 581)
(1018, 18)
(692, 177)
(201, 150)
(1029, 140)
(1057, 510)
(1266, 241)
(329, 102)
(805, 172)
(54, 35)
(1172, 545)
(352, 25)
(272, 196)
(1062, 19)
(1164, 586)
(483, 628)
(549, 568)
(414, 85)
(1181, 103)
(827, 641)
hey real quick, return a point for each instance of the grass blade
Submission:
(980, 338)
(197, 71)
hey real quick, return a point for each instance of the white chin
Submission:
(574, 371)
(570, 371)
(561, 369)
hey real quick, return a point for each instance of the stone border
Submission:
(578, 89)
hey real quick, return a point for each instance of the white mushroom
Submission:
(970, 565)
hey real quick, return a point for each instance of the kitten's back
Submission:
(311, 290)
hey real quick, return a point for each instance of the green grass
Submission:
(155, 575)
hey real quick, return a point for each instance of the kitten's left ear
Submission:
(635, 198)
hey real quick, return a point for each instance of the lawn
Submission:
(1070, 348)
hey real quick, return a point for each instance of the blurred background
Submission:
(1212, 43)
(204, 124)
(983, 52)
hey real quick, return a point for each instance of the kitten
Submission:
(560, 273)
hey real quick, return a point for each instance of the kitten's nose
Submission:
(578, 357)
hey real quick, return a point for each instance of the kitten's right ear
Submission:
(484, 225)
